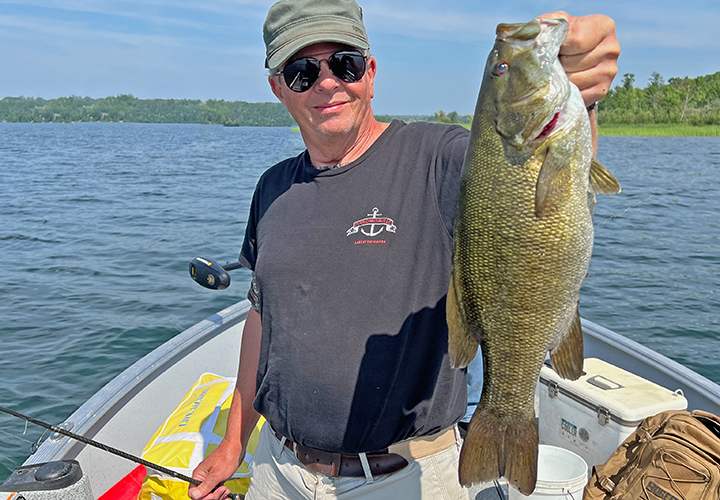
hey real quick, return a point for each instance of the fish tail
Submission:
(493, 449)
(521, 451)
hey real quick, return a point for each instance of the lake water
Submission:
(99, 221)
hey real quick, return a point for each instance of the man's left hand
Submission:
(589, 53)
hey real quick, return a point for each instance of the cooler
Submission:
(593, 415)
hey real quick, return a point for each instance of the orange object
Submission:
(128, 487)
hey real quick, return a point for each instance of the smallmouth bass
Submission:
(523, 240)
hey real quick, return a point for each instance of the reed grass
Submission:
(660, 130)
(656, 130)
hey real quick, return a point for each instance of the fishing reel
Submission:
(211, 274)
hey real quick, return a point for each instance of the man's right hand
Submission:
(219, 466)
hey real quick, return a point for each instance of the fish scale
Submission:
(523, 240)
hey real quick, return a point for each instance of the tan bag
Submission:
(674, 455)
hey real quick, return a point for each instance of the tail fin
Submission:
(493, 449)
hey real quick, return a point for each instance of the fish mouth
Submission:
(548, 128)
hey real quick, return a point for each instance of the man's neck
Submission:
(341, 149)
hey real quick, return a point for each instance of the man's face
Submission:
(331, 106)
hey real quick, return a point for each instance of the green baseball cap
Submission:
(292, 25)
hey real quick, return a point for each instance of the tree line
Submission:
(691, 101)
(127, 108)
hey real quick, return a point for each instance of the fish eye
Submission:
(500, 68)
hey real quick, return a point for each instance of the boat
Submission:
(126, 412)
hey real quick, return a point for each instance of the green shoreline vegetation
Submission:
(660, 130)
(680, 107)
(656, 130)
(127, 108)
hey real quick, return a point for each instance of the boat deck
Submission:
(139, 400)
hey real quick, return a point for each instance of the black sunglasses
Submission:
(300, 74)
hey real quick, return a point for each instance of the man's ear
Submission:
(275, 85)
(370, 72)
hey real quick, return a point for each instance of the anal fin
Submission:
(567, 358)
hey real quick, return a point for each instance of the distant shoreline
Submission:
(657, 130)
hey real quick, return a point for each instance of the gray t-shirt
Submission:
(352, 267)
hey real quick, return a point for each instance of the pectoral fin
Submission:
(601, 180)
(567, 358)
(549, 192)
(462, 345)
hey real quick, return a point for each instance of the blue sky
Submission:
(430, 53)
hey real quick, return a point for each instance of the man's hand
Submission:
(220, 465)
(589, 53)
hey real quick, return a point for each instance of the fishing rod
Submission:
(109, 449)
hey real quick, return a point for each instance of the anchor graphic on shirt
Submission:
(372, 232)
(371, 221)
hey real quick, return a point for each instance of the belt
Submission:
(386, 461)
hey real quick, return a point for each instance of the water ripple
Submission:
(103, 218)
(100, 224)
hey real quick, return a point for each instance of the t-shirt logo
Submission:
(372, 225)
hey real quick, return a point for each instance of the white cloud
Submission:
(135, 8)
(213, 48)
(448, 23)
(54, 31)
(692, 25)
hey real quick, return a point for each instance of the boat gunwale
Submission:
(92, 415)
(705, 387)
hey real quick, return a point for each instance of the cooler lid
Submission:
(614, 393)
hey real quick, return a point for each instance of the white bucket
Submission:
(562, 475)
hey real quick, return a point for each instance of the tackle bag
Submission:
(191, 432)
(674, 455)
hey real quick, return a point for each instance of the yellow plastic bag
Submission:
(191, 432)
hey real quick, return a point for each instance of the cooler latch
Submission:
(553, 389)
(603, 415)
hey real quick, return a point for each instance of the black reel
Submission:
(211, 274)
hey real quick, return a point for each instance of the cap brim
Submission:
(283, 54)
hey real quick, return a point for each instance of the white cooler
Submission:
(593, 415)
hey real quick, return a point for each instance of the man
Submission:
(350, 243)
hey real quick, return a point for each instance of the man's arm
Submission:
(589, 55)
(224, 461)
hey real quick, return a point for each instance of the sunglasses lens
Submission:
(348, 65)
(302, 73)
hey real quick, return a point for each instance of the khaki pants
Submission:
(277, 474)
